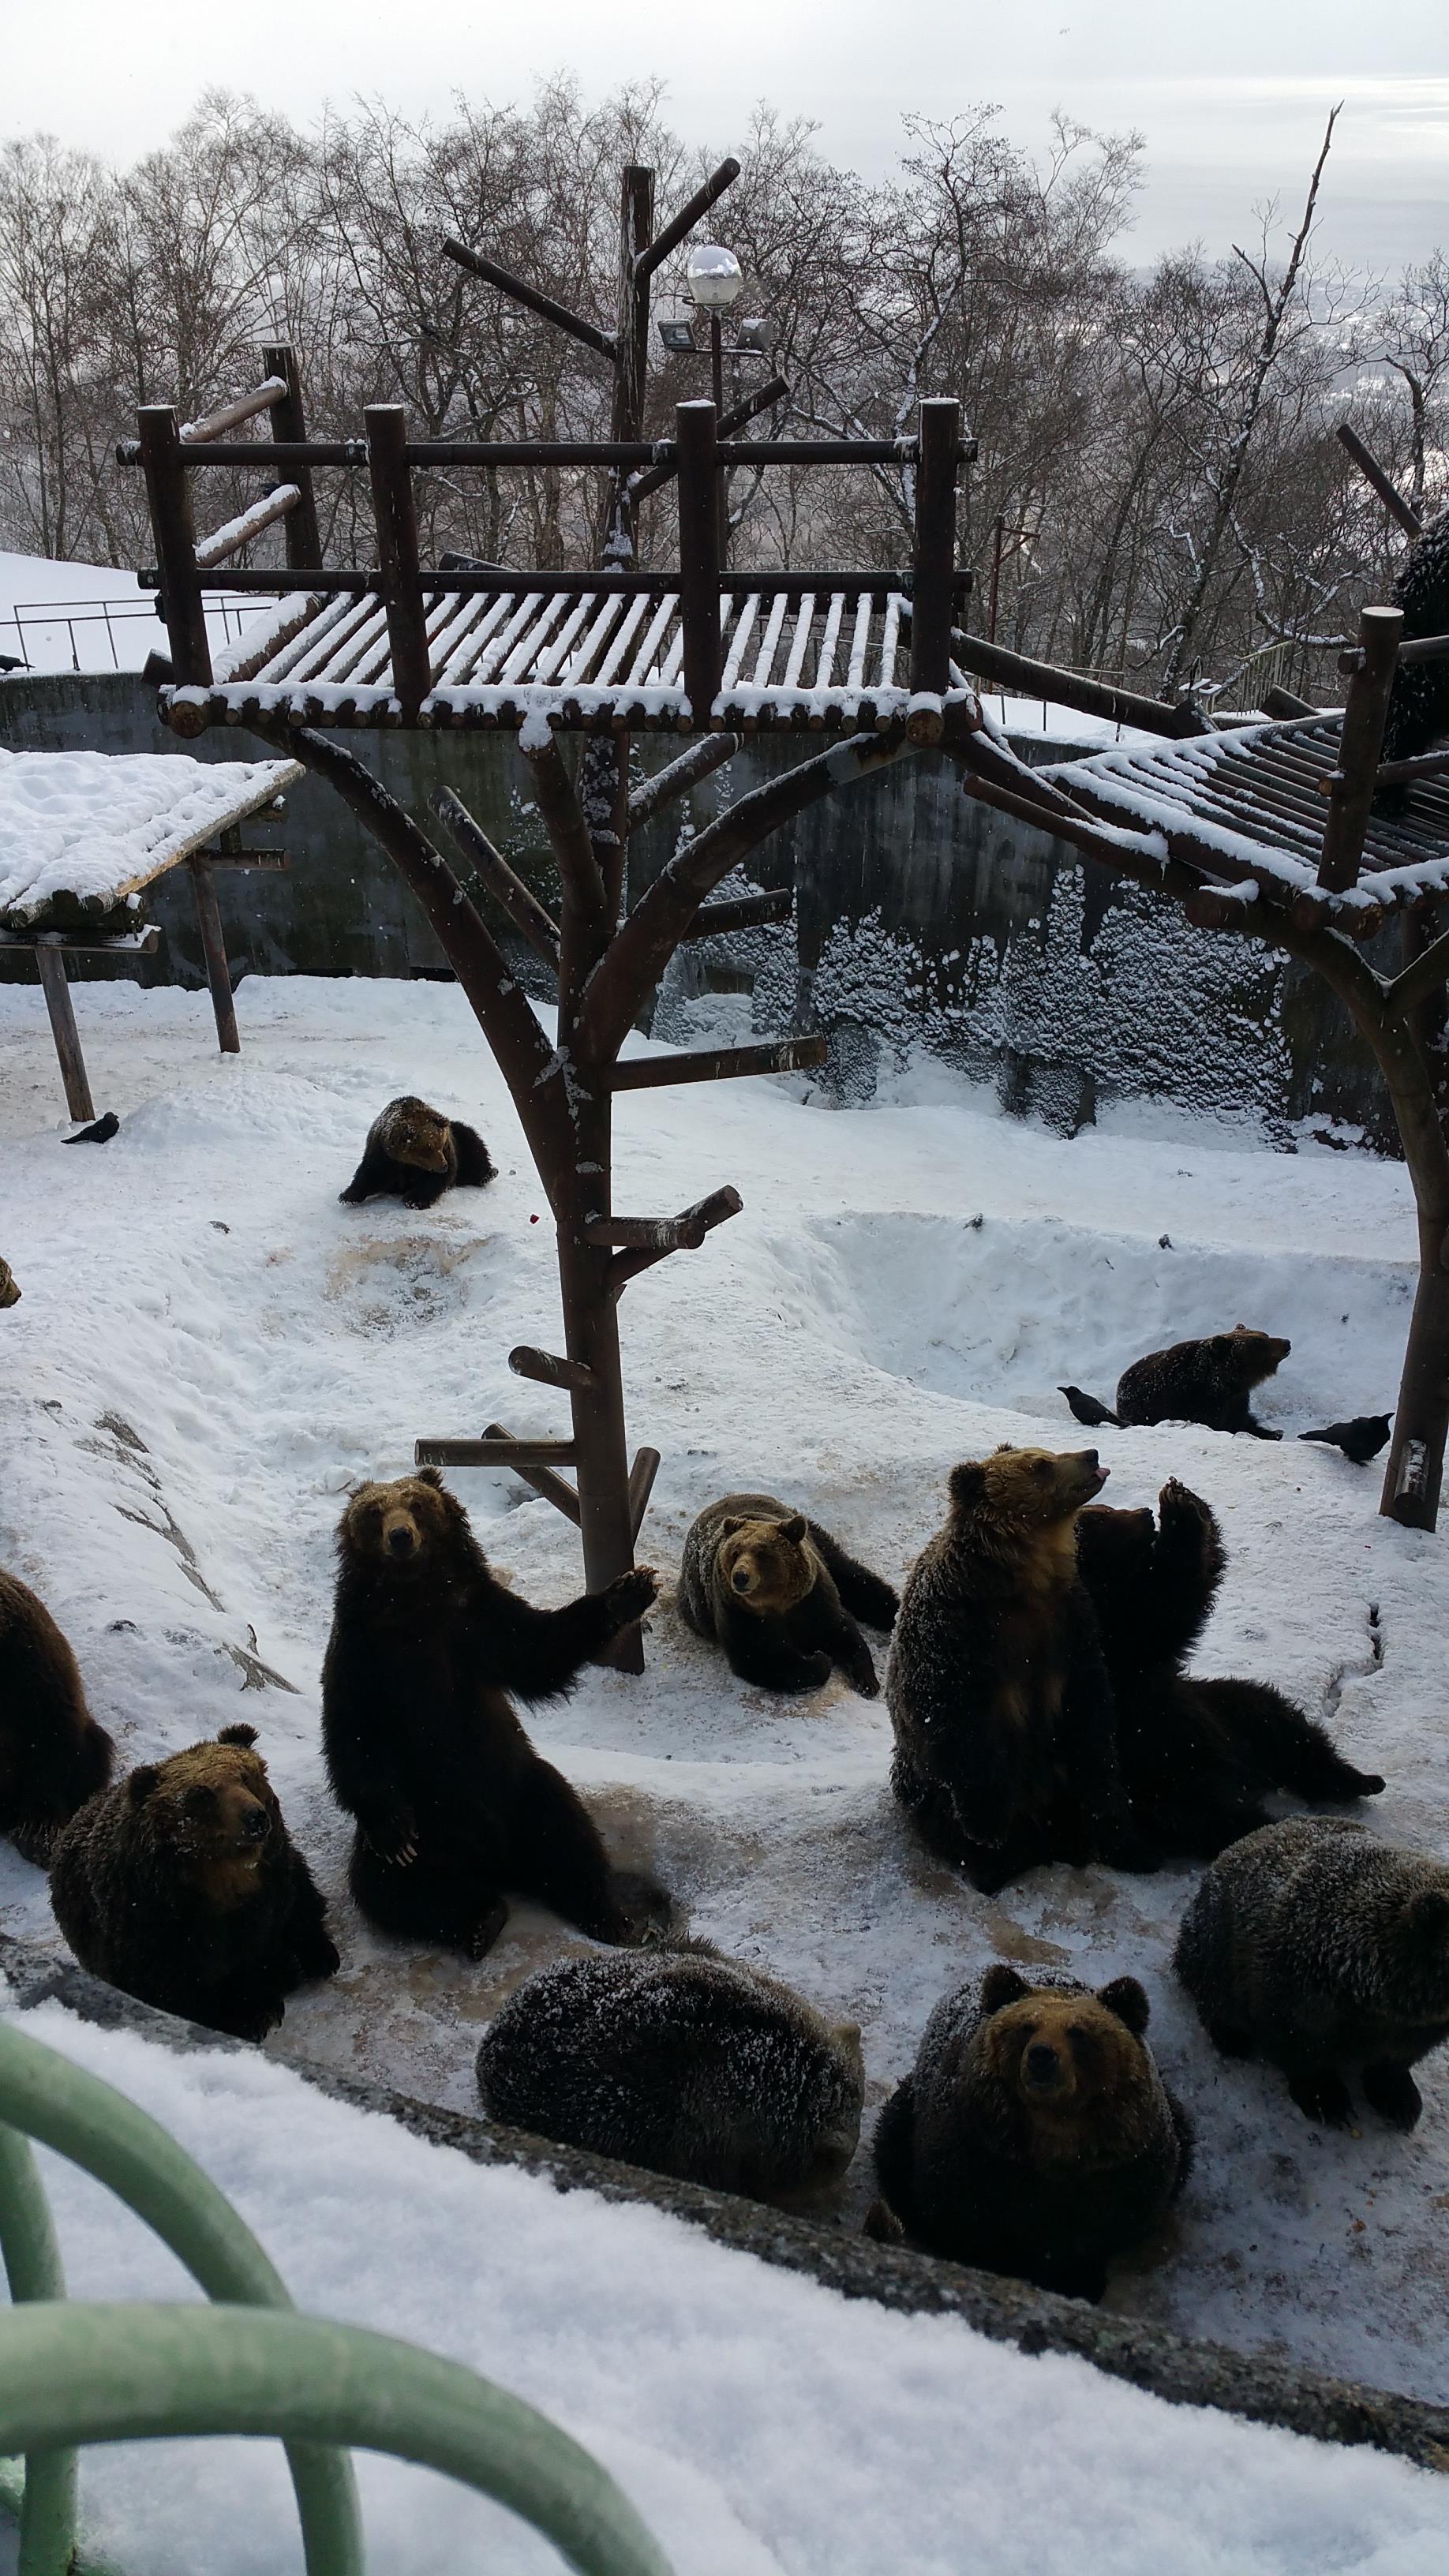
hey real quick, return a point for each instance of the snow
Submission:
(92, 826)
(209, 1350)
(1031, 717)
(63, 625)
(763, 2426)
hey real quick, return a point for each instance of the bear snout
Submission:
(256, 1824)
(1046, 2076)
(741, 1578)
(400, 1538)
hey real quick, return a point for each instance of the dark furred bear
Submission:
(1198, 1756)
(1315, 1945)
(1034, 2135)
(1419, 702)
(181, 1886)
(414, 1153)
(453, 1806)
(1209, 1382)
(1006, 1752)
(685, 2063)
(53, 1756)
(780, 1595)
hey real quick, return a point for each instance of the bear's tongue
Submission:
(1102, 1475)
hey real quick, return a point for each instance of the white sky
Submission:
(1230, 94)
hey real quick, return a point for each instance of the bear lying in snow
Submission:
(414, 1153)
(1205, 1381)
(181, 1886)
(1005, 1744)
(1034, 2135)
(1197, 1756)
(53, 1756)
(683, 2062)
(454, 1808)
(780, 1595)
(1315, 1945)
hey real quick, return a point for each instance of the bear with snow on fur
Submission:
(182, 1886)
(1034, 2135)
(1005, 1736)
(1198, 1755)
(454, 1809)
(53, 1755)
(414, 1153)
(780, 1595)
(1317, 1946)
(685, 2063)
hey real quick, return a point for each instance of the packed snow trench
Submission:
(210, 1351)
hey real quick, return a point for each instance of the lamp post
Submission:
(715, 282)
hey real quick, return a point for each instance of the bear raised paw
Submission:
(780, 1595)
(414, 1153)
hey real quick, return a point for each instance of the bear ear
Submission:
(793, 1529)
(1126, 1999)
(429, 1476)
(238, 1734)
(141, 1782)
(728, 1528)
(1001, 1986)
(1428, 1914)
(966, 1485)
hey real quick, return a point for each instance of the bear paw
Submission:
(629, 1596)
(393, 1838)
(1395, 2096)
(643, 1911)
(1323, 2097)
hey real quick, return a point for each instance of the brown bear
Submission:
(414, 1153)
(780, 1595)
(9, 1290)
(685, 2063)
(454, 1808)
(1198, 1756)
(1034, 2135)
(1208, 1381)
(1315, 1945)
(53, 1755)
(1005, 1743)
(182, 1886)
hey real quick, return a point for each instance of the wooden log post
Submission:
(56, 988)
(169, 495)
(934, 550)
(397, 555)
(631, 356)
(699, 566)
(213, 946)
(289, 423)
(1363, 731)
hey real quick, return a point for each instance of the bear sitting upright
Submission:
(414, 1153)
(780, 1595)
(1006, 1752)
(181, 1886)
(1208, 1381)
(454, 1808)
(1198, 1756)
(53, 1756)
(1034, 2135)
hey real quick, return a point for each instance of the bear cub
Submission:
(53, 1755)
(1034, 2135)
(454, 1808)
(1315, 1945)
(414, 1153)
(182, 1886)
(685, 2063)
(780, 1595)
(1198, 1756)
(1005, 1741)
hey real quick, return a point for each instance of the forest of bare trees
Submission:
(1157, 442)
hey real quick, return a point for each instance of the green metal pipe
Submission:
(34, 2271)
(96, 2127)
(77, 2374)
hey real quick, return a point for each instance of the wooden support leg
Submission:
(56, 989)
(208, 919)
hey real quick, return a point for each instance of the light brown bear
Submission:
(53, 1755)
(182, 1886)
(780, 1595)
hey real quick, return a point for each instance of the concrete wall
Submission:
(922, 919)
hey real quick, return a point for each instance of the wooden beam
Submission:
(752, 912)
(87, 943)
(774, 390)
(1402, 773)
(289, 423)
(700, 761)
(224, 542)
(1425, 648)
(397, 555)
(657, 251)
(565, 822)
(934, 548)
(63, 1028)
(496, 1449)
(1429, 970)
(196, 433)
(546, 1369)
(1380, 630)
(641, 1485)
(717, 1064)
(273, 859)
(699, 591)
(1069, 689)
(662, 1234)
(174, 530)
(1369, 466)
(533, 297)
(554, 1489)
(213, 947)
(522, 906)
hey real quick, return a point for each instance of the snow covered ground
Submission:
(209, 1349)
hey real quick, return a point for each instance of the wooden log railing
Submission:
(229, 539)
(197, 433)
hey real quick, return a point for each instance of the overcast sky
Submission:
(1230, 96)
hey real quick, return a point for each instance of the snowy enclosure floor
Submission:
(210, 1349)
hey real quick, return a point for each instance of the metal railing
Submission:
(46, 615)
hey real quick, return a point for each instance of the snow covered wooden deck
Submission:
(83, 831)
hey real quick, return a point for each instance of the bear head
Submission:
(417, 1135)
(1060, 2051)
(1022, 1504)
(212, 1810)
(403, 1525)
(765, 1565)
(1249, 1356)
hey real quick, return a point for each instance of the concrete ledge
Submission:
(1263, 2390)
